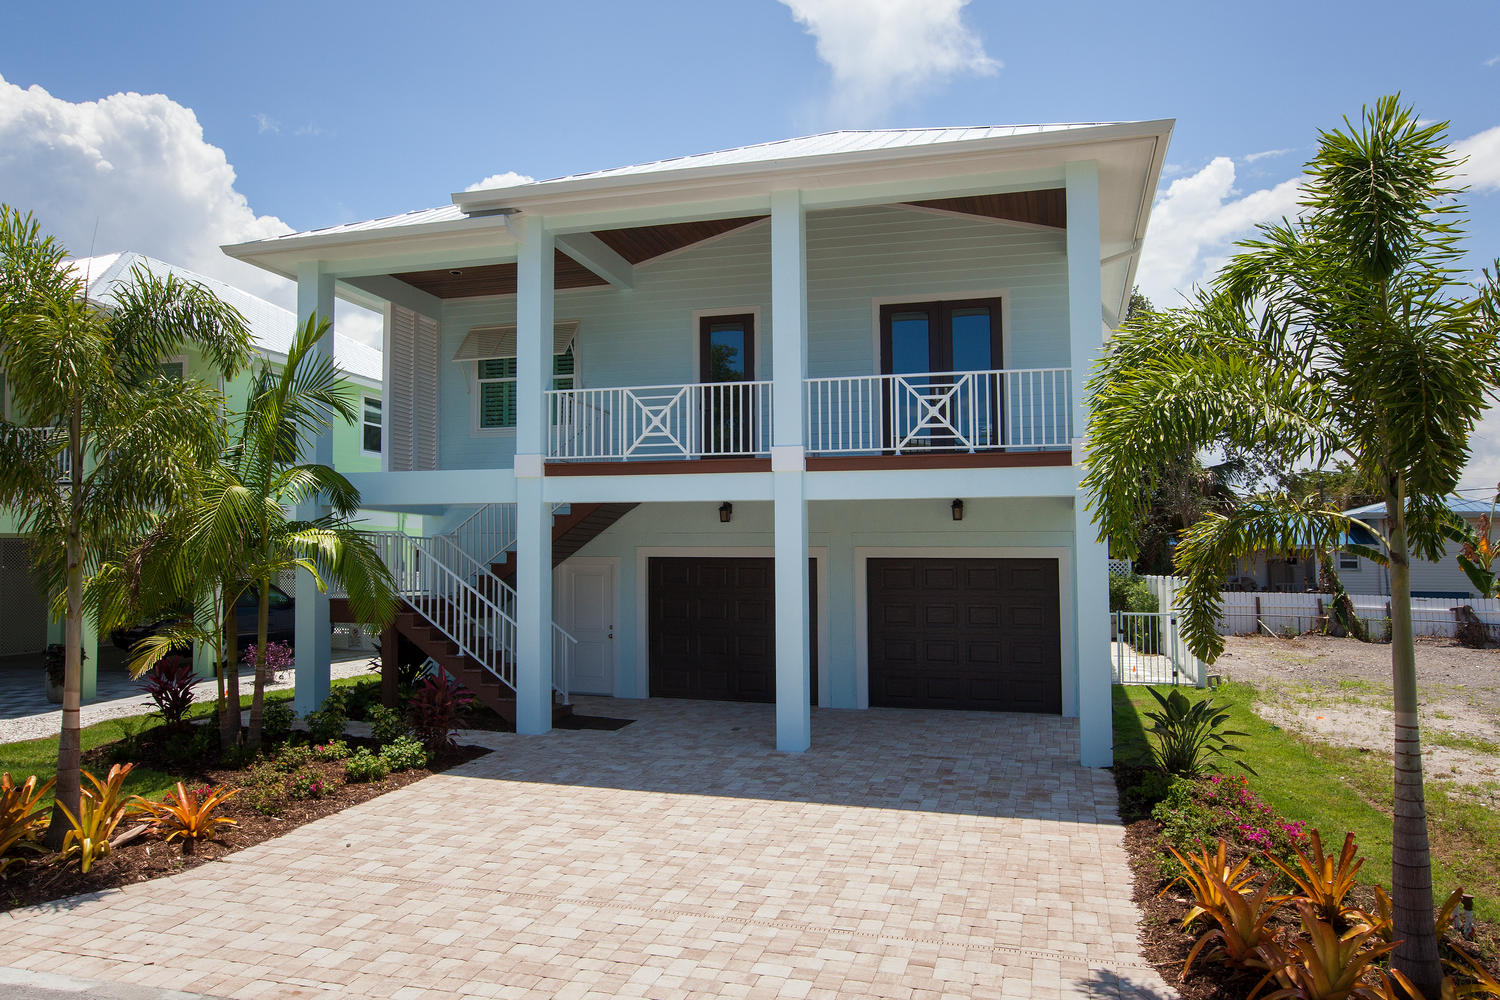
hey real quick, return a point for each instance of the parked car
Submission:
(281, 626)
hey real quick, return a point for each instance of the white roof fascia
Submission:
(488, 234)
(553, 194)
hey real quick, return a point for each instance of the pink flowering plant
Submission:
(1195, 814)
(279, 658)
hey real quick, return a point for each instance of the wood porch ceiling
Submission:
(1038, 208)
(642, 243)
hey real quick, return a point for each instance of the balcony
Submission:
(1008, 412)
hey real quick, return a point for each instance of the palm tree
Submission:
(238, 523)
(100, 440)
(1344, 335)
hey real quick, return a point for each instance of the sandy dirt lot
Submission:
(1339, 691)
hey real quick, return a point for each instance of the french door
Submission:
(934, 350)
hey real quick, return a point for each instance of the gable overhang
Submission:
(1130, 157)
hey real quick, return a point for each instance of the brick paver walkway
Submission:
(909, 854)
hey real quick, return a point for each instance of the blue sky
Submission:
(276, 115)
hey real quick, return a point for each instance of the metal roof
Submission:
(803, 147)
(822, 144)
(271, 326)
(1466, 506)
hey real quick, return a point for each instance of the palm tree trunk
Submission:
(229, 719)
(70, 737)
(1411, 881)
(258, 700)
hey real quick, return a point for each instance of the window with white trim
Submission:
(497, 387)
(1348, 560)
(370, 426)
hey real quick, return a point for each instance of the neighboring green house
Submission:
(24, 629)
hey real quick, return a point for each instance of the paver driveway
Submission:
(909, 854)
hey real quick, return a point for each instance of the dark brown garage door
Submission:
(979, 634)
(712, 629)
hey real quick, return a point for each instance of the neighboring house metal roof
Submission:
(1459, 505)
(271, 326)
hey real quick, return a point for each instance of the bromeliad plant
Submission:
(100, 810)
(189, 816)
(1189, 737)
(21, 811)
(1322, 964)
(1324, 882)
(1219, 893)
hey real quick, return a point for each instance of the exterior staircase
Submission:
(570, 532)
(461, 615)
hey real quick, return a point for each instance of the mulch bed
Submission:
(1165, 944)
(487, 719)
(145, 858)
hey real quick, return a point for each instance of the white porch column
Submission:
(788, 466)
(534, 284)
(314, 298)
(1091, 557)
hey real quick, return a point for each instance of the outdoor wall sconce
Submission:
(726, 510)
(958, 510)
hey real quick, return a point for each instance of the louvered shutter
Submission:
(425, 394)
(399, 398)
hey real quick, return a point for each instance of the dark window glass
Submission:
(726, 353)
(911, 342)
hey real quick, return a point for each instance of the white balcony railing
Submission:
(1010, 410)
(700, 420)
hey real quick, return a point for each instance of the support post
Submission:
(788, 468)
(534, 292)
(314, 651)
(1086, 334)
(390, 665)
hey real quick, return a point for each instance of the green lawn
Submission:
(39, 757)
(1338, 789)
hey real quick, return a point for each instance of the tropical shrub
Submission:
(309, 784)
(170, 682)
(404, 754)
(1243, 926)
(386, 725)
(280, 657)
(1188, 737)
(331, 751)
(293, 757)
(276, 721)
(191, 746)
(21, 811)
(329, 721)
(189, 816)
(365, 766)
(100, 810)
(359, 699)
(437, 709)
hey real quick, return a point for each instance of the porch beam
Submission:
(314, 653)
(596, 255)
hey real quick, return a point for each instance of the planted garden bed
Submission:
(1171, 822)
(295, 779)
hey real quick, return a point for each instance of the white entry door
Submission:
(590, 597)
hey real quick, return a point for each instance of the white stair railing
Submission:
(467, 603)
(486, 534)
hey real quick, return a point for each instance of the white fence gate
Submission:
(1147, 648)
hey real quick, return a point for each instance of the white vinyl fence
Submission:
(1296, 614)
(1147, 648)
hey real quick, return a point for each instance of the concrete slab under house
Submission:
(798, 423)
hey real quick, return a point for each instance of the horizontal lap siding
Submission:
(646, 336)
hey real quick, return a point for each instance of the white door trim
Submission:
(818, 553)
(1064, 557)
(564, 603)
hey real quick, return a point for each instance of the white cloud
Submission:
(882, 50)
(508, 179)
(134, 172)
(1491, 61)
(1265, 153)
(265, 123)
(1482, 171)
(1194, 224)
